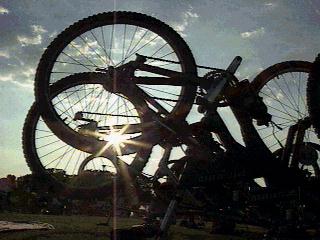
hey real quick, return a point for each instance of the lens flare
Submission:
(115, 138)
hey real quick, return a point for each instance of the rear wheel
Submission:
(47, 155)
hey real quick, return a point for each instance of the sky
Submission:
(262, 32)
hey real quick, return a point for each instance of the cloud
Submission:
(29, 72)
(255, 33)
(187, 17)
(270, 4)
(36, 39)
(4, 54)
(53, 34)
(27, 84)
(3, 10)
(279, 96)
(6, 78)
(22, 78)
(25, 41)
(11, 78)
(38, 29)
(189, 14)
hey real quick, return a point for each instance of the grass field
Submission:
(85, 228)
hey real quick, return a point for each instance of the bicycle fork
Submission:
(294, 142)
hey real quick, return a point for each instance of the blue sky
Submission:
(262, 32)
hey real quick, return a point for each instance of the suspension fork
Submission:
(294, 142)
(285, 157)
(301, 128)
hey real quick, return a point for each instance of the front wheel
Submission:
(283, 88)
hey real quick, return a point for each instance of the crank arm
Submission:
(220, 83)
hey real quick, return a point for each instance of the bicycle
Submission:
(172, 71)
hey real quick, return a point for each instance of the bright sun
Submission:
(115, 138)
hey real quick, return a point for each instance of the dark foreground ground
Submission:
(85, 228)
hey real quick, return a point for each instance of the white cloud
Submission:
(11, 78)
(38, 29)
(29, 72)
(53, 34)
(36, 39)
(25, 41)
(255, 33)
(3, 10)
(187, 17)
(6, 78)
(191, 14)
(4, 54)
(27, 84)
(279, 96)
(270, 4)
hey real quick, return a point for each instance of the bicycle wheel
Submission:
(112, 39)
(313, 95)
(46, 154)
(283, 89)
(56, 162)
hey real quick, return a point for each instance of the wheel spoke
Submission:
(130, 52)
(103, 48)
(82, 54)
(282, 106)
(133, 35)
(277, 100)
(123, 43)
(99, 56)
(284, 95)
(290, 94)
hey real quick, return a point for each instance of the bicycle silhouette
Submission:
(115, 90)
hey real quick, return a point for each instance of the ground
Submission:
(87, 227)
